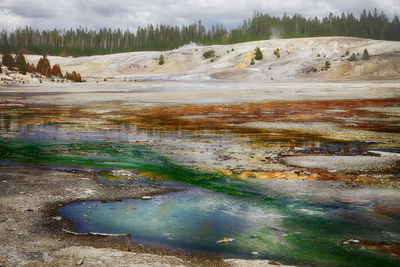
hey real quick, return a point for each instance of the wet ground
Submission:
(302, 182)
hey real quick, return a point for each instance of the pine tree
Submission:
(252, 61)
(365, 55)
(7, 60)
(56, 71)
(21, 63)
(43, 67)
(31, 68)
(353, 57)
(161, 60)
(259, 55)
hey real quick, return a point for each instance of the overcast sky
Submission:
(129, 14)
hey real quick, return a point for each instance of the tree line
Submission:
(80, 42)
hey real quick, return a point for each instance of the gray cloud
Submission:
(129, 14)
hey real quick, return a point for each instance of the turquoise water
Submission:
(304, 228)
(300, 230)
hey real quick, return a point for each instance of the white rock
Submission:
(225, 240)
(80, 262)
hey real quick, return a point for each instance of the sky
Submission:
(129, 14)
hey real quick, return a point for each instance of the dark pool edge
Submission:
(53, 228)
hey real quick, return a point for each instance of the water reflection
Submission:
(300, 229)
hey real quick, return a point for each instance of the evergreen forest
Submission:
(83, 42)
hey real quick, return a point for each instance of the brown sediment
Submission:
(230, 121)
(386, 247)
(298, 174)
(220, 116)
(224, 116)
(386, 212)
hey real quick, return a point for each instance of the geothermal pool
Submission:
(235, 195)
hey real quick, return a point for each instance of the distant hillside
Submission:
(304, 58)
(81, 42)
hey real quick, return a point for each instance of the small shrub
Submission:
(161, 60)
(314, 69)
(259, 55)
(209, 54)
(212, 60)
(365, 55)
(105, 79)
(232, 49)
(40, 80)
(227, 51)
(252, 61)
(269, 68)
(318, 55)
(74, 76)
(327, 64)
(353, 57)
(276, 53)
(347, 52)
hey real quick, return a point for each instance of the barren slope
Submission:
(297, 59)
